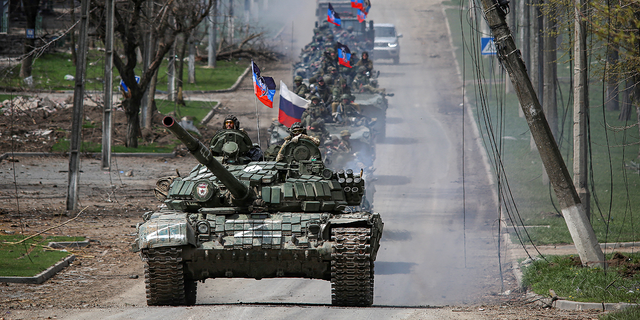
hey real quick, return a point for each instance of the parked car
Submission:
(386, 44)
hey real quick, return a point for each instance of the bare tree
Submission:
(171, 18)
(31, 8)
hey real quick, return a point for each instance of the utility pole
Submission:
(580, 107)
(213, 29)
(534, 68)
(549, 100)
(524, 36)
(145, 114)
(581, 231)
(76, 122)
(107, 117)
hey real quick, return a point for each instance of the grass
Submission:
(196, 109)
(49, 72)
(614, 184)
(569, 280)
(632, 313)
(14, 262)
(63, 146)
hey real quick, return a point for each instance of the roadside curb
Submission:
(54, 154)
(42, 276)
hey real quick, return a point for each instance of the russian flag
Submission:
(333, 16)
(291, 106)
(344, 55)
(264, 87)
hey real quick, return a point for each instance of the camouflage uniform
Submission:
(338, 90)
(299, 87)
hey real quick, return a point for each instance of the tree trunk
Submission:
(72, 34)
(612, 101)
(132, 108)
(625, 109)
(183, 50)
(550, 70)
(31, 12)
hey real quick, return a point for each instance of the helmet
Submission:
(330, 36)
(342, 81)
(231, 118)
(374, 82)
(297, 78)
(320, 79)
(345, 133)
(327, 78)
(350, 28)
(330, 50)
(346, 96)
(297, 128)
(313, 80)
(314, 98)
(316, 30)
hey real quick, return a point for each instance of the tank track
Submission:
(351, 267)
(165, 280)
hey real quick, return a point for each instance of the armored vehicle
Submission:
(262, 219)
(374, 105)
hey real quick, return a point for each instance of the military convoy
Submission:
(234, 217)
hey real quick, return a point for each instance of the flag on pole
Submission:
(333, 16)
(291, 106)
(344, 55)
(357, 4)
(361, 16)
(264, 87)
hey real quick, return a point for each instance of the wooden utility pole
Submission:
(107, 117)
(76, 122)
(581, 231)
(534, 67)
(580, 108)
(213, 29)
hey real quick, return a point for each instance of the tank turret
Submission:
(240, 191)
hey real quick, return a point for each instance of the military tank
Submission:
(262, 219)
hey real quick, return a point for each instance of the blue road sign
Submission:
(488, 46)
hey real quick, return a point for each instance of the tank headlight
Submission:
(365, 134)
(203, 227)
(392, 44)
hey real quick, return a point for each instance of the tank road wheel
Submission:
(351, 267)
(164, 278)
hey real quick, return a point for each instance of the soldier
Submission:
(330, 59)
(361, 83)
(345, 109)
(365, 62)
(313, 118)
(345, 143)
(296, 132)
(323, 91)
(231, 123)
(300, 88)
(338, 91)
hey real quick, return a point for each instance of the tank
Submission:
(262, 219)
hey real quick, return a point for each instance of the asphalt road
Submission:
(440, 243)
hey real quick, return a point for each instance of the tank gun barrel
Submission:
(240, 191)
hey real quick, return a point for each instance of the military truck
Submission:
(262, 219)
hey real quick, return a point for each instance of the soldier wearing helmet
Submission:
(313, 118)
(345, 109)
(299, 87)
(365, 62)
(296, 132)
(345, 143)
(231, 122)
(338, 90)
(330, 59)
